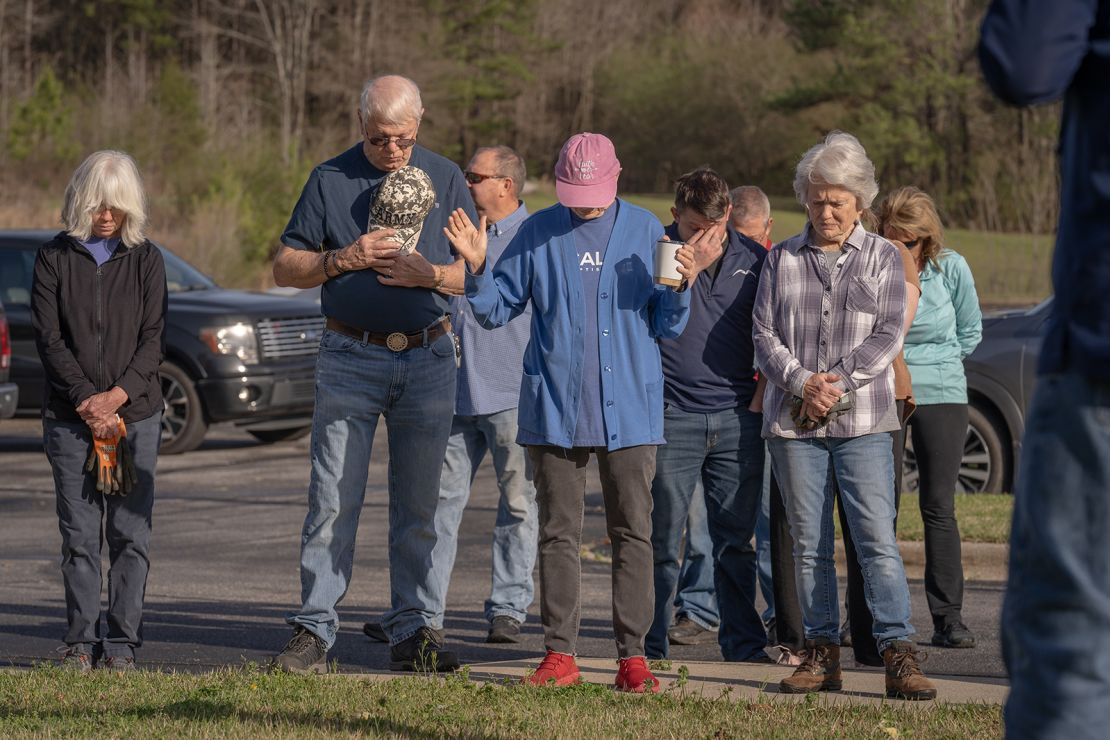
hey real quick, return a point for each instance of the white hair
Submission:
(392, 100)
(748, 202)
(106, 179)
(840, 161)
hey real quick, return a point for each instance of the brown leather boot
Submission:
(819, 671)
(904, 679)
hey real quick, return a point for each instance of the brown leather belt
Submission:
(397, 341)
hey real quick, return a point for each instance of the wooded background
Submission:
(227, 104)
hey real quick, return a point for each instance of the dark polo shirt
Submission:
(710, 366)
(334, 210)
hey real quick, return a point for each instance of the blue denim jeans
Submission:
(763, 542)
(414, 391)
(725, 452)
(807, 471)
(697, 596)
(514, 532)
(87, 520)
(1056, 613)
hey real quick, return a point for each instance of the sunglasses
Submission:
(474, 178)
(384, 141)
(912, 244)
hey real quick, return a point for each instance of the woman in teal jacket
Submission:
(945, 330)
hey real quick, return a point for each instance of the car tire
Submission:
(270, 436)
(183, 422)
(985, 467)
(986, 462)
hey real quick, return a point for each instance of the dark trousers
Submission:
(939, 431)
(788, 610)
(86, 519)
(560, 478)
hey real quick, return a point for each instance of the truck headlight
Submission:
(237, 339)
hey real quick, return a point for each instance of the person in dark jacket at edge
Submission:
(98, 307)
(1056, 613)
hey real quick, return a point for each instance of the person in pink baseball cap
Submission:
(592, 384)
(587, 171)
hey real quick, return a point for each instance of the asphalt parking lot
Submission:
(225, 566)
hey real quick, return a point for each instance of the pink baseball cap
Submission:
(586, 173)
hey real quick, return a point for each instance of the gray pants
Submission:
(560, 477)
(86, 519)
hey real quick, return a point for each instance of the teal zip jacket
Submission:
(947, 327)
(540, 266)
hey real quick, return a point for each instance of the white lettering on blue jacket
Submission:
(541, 265)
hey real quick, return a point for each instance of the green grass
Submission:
(983, 517)
(251, 704)
(1009, 269)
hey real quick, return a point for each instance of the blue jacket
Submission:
(1034, 52)
(946, 328)
(540, 265)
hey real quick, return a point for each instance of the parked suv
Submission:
(231, 355)
(9, 392)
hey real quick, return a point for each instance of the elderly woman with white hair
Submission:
(827, 324)
(98, 307)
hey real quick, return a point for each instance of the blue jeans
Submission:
(697, 597)
(1056, 613)
(807, 471)
(415, 391)
(725, 452)
(514, 533)
(763, 543)
(87, 520)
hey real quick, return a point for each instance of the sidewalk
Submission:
(747, 681)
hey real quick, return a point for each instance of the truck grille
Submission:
(292, 337)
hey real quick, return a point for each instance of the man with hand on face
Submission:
(711, 435)
(387, 352)
(592, 384)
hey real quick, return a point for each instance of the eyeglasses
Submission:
(384, 141)
(474, 178)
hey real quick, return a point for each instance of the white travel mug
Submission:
(666, 264)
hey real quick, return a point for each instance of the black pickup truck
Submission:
(231, 355)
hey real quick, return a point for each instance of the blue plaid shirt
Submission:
(848, 320)
(492, 359)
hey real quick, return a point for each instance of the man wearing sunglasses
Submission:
(388, 351)
(485, 420)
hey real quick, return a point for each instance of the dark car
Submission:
(231, 355)
(9, 392)
(1000, 377)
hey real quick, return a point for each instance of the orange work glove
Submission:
(104, 458)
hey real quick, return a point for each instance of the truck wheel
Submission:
(183, 423)
(986, 459)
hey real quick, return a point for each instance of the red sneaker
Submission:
(556, 669)
(635, 677)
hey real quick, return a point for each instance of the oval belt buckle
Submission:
(397, 342)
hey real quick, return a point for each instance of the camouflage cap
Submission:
(404, 199)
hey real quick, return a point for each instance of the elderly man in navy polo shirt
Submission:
(387, 352)
(711, 435)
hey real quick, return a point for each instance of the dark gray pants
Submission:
(86, 519)
(560, 477)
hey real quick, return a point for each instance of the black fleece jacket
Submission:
(99, 326)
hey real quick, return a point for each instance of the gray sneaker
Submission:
(77, 659)
(305, 653)
(688, 632)
(422, 652)
(503, 629)
(118, 664)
